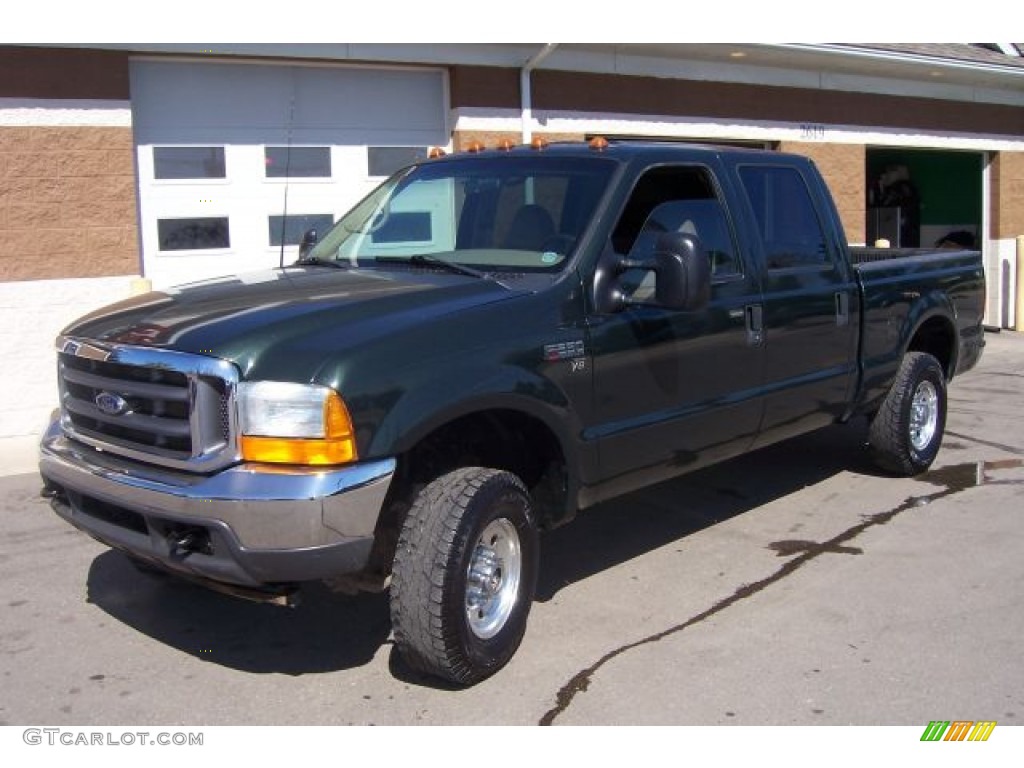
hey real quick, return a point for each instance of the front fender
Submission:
(472, 389)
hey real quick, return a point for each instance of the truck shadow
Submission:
(329, 632)
(326, 632)
(619, 530)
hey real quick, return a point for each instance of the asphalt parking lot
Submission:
(793, 586)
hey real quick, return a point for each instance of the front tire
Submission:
(906, 433)
(464, 575)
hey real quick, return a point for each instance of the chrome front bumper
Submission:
(249, 525)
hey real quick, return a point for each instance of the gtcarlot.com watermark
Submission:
(72, 738)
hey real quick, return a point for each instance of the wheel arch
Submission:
(508, 437)
(935, 334)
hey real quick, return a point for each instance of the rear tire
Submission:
(464, 575)
(906, 433)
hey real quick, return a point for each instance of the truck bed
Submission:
(860, 254)
(901, 289)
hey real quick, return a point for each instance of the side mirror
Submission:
(682, 273)
(307, 243)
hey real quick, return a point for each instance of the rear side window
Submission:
(788, 225)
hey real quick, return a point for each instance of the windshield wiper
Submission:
(451, 266)
(316, 261)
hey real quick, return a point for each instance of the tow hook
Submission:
(52, 491)
(187, 541)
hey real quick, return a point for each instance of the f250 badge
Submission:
(573, 351)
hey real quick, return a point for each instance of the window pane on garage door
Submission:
(193, 234)
(298, 162)
(188, 162)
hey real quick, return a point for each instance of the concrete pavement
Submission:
(795, 585)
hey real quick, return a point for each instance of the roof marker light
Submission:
(598, 143)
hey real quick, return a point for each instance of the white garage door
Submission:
(220, 147)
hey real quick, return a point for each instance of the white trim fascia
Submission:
(934, 62)
(108, 113)
(556, 121)
(748, 74)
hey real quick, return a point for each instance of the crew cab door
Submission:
(811, 303)
(675, 389)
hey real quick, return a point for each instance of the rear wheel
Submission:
(906, 433)
(464, 575)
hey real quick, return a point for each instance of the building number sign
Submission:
(813, 131)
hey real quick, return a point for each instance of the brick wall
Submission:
(67, 202)
(1007, 179)
(490, 139)
(843, 167)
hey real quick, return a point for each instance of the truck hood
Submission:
(286, 319)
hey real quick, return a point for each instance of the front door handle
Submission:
(755, 324)
(842, 308)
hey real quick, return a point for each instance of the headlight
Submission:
(285, 423)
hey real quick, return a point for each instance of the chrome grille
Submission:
(168, 408)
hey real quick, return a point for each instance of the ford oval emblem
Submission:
(111, 404)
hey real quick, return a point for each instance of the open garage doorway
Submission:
(924, 197)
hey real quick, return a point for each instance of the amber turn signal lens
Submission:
(297, 450)
(338, 446)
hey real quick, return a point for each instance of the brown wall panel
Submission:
(591, 92)
(483, 86)
(62, 73)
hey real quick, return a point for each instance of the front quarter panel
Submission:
(528, 355)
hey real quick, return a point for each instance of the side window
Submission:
(674, 200)
(789, 227)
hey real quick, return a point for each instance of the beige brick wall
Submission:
(844, 168)
(490, 139)
(1007, 179)
(68, 205)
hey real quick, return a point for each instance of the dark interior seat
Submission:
(531, 227)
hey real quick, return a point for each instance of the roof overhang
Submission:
(843, 67)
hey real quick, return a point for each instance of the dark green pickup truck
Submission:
(486, 344)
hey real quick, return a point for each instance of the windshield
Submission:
(500, 214)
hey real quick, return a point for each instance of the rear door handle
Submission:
(755, 324)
